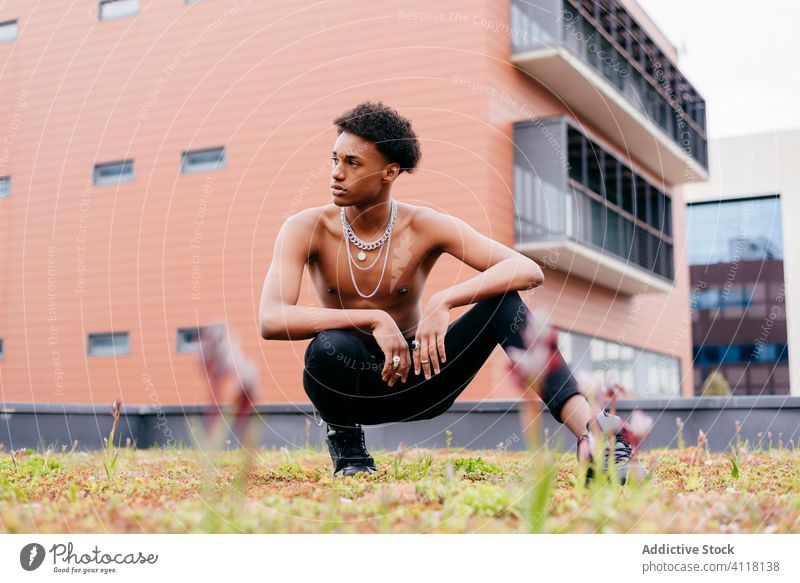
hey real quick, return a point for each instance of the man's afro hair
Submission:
(391, 132)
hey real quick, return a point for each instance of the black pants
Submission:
(342, 374)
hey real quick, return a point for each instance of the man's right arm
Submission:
(279, 315)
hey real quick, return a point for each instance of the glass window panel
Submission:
(610, 179)
(108, 344)
(188, 340)
(668, 215)
(594, 176)
(203, 160)
(627, 190)
(9, 31)
(733, 312)
(759, 292)
(642, 203)
(598, 350)
(565, 346)
(709, 298)
(113, 172)
(5, 186)
(719, 231)
(575, 149)
(111, 9)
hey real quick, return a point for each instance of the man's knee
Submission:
(507, 314)
(330, 377)
(509, 297)
(332, 344)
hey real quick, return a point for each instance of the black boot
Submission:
(624, 466)
(349, 450)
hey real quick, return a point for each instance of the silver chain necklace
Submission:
(365, 245)
(371, 265)
(387, 237)
(352, 262)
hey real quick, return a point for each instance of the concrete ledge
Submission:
(472, 424)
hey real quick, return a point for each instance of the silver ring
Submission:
(398, 374)
(424, 361)
(415, 345)
(395, 361)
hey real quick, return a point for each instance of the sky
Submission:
(741, 56)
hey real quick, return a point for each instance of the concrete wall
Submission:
(485, 425)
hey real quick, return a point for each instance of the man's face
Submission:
(359, 168)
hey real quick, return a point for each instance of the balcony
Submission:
(594, 56)
(581, 210)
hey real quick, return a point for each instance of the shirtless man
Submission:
(377, 354)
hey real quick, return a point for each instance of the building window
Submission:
(638, 70)
(631, 218)
(113, 9)
(736, 253)
(8, 31)
(5, 186)
(728, 231)
(113, 172)
(202, 160)
(2, 350)
(643, 374)
(188, 339)
(108, 344)
(740, 353)
(193, 1)
(566, 186)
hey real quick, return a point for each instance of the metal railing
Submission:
(652, 84)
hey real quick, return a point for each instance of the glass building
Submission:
(735, 250)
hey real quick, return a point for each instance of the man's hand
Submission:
(392, 343)
(430, 335)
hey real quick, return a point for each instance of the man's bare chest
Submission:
(390, 276)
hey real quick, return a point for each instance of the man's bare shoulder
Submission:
(307, 217)
(301, 229)
(423, 216)
(308, 223)
(427, 219)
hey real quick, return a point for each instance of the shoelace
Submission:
(622, 454)
(622, 449)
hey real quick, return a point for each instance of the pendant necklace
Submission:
(352, 237)
(364, 245)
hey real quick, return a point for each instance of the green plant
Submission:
(448, 438)
(112, 453)
(423, 465)
(476, 468)
(540, 495)
(485, 499)
(716, 385)
(397, 462)
(735, 463)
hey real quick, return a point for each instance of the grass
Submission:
(414, 491)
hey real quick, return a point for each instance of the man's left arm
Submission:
(502, 268)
